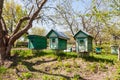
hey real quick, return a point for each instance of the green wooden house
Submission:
(114, 49)
(83, 42)
(58, 40)
(37, 42)
(115, 44)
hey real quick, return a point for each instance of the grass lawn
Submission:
(49, 65)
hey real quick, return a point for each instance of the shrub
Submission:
(68, 65)
(76, 77)
(47, 77)
(63, 78)
(27, 75)
(19, 78)
(21, 44)
(102, 66)
(22, 53)
(117, 77)
(2, 70)
(68, 69)
(59, 59)
(92, 67)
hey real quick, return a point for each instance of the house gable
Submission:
(81, 34)
(52, 34)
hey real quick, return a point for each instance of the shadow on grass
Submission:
(50, 53)
(66, 55)
(96, 59)
(62, 55)
(37, 54)
(29, 66)
(90, 58)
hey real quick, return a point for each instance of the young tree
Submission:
(12, 13)
(38, 31)
(65, 16)
(6, 40)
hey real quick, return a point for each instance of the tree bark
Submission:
(118, 53)
(6, 41)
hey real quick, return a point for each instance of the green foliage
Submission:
(76, 77)
(58, 65)
(107, 78)
(63, 78)
(117, 77)
(67, 55)
(118, 71)
(102, 66)
(75, 64)
(106, 49)
(27, 75)
(108, 58)
(59, 59)
(95, 64)
(19, 78)
(92, 68)
(68, 65)
(22, 53)
(38, 31)
(21, 44)
(12, 12)
(68, 70)
(2, 70)
(47, 77)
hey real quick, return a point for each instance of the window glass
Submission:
(53, 40)
(81, 42)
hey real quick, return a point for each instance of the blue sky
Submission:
(81, 5)
(78, 5)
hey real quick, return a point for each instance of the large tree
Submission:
(12, 12)
(6, 40)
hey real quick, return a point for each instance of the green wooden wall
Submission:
(62, 44)
(82, 44)
(53, 43)
(86, 46)
(37, 42)
(90, 44)
(59, 44)
(114, 49)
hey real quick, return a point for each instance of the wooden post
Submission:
(118, 53)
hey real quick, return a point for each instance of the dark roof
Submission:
(59, 34)
(83, 32)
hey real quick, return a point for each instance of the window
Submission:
(81, 42)
(53, 40)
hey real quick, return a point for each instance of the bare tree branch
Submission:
(31, 10)
(19, 24)
(29, 25)
(1, 7)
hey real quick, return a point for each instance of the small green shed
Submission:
(37, 42)
(98, 50)
(58, 40)
(114, 49)
(115, 44)
(83, 41)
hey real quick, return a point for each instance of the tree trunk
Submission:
(119, 54)
(2, 56)
(2, 51)
(5, 49)
(7, 42)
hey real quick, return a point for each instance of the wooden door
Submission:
(53, 43)
(82, 45)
